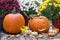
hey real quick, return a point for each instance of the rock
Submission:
(12, 36)
(17, 35)
(34, 33)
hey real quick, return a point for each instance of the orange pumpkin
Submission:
(39, 24)
(13, 22)
(51, 34)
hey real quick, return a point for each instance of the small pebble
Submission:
(17, 35)
(40, 36)
(12, 36)
(30, 31)
(34, 33)
(31, 35)
(2, 33)
(25, 34)
(26, 31)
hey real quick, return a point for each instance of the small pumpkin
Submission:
(39, 24)
(13, 22)
(51, 34)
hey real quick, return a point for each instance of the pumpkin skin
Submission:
(39, 24)
(13, 22)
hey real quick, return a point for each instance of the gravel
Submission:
(4, 36)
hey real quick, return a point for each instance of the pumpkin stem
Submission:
(14, 10)
(33, 15)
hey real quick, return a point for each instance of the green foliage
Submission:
(50, 9)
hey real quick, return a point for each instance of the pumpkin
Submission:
(51, 34)
(13, 22)
(39, 24)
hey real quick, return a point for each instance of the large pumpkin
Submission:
(39, 24)
(13, 22)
